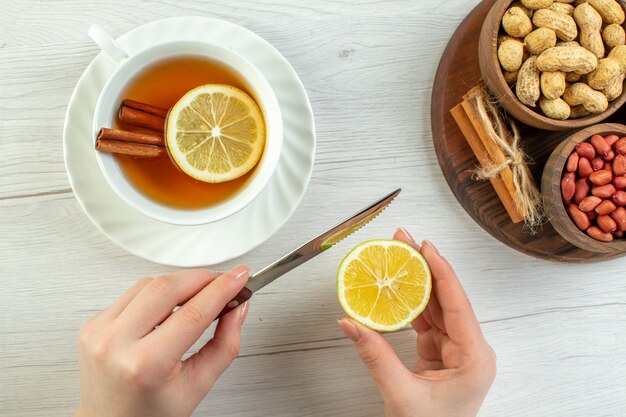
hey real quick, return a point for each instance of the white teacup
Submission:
(111, 98)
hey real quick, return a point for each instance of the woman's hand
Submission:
(130, 354)
(456, 366)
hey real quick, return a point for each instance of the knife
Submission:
(309, 250)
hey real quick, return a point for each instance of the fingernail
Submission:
(240, 271)
(349, 329)
(426, 242)
(243, 312)
(407, 235)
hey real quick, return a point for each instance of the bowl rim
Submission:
(501, 6)
(548, 188)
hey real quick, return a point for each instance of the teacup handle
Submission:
(106, 42)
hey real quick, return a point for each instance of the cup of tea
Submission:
(159, 76)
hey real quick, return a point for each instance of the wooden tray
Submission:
(458, 72)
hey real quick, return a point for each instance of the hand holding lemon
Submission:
(456, 365)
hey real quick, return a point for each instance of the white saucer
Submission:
(212, 243)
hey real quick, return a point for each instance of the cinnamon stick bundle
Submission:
(136, 143)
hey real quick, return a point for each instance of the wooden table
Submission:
(558, 330)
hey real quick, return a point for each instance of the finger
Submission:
(429, 346)
(427, 318)
(403, 235)
(120, 304)
(157, 299)
(426, 365)
(420, 324)
(377, 355)
(206, 366)
(459, 319)
(184, 327)
(434, 309)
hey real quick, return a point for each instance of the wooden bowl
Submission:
(492, 75)
(551, 190)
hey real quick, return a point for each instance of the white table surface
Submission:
(559, 330)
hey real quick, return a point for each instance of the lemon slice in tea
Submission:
(384, 284)
(215, 133)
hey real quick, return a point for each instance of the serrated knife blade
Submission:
(310, 249)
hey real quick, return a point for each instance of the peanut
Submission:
(609, 68)
(610, 10)
(614, 35)
(579, 218)
(579, 93)
(510, 55)
(568, 59)
(564, 8)
(597, 234)
(589, 203)
(539, 40)
(589, 23)
(510, 77)
(600, 145)
(528, 87)
(564, 1)
(620, 146)
(562, 24)
(607, 224)
(537, 4)
(619, 215)
(611, 139)
(555, 109)
(620, 182)
(605, 207)
(619, 165)
(620, 198)
(586, 150)
(584, 168)
(553, 85)
(582, 189)
(516, 23)
(603, 191)
(614, 90)
(572, 162)
(526, 10)
(597, 163)
(601, 177)
(568, 186)
(578, 111)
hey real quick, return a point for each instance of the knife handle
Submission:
(243, 296)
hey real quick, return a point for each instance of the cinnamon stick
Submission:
(141, 118)
(127, 136)
(148, 108)
(129, 148)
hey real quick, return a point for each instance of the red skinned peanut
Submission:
(619, 216)
(603, 191)
(586, 150)
(584, 168)
(619, 165)
(607, 224)
(611, 139)
(583, 185)
(568, 186)
(602, 177)
(605, 207)
(572, 162)
(620, 198)
(597, 163)
(579, 218)
(589, 203)
(600, 145)
(597, 233)
(619, 182)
